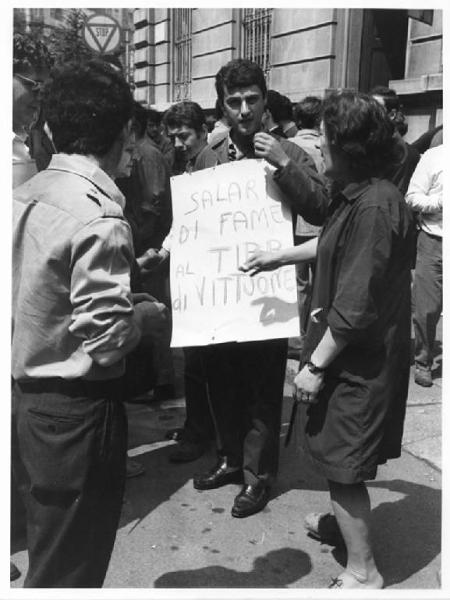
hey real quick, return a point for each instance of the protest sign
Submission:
(220, 216)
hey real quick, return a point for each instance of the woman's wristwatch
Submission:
(315, 370)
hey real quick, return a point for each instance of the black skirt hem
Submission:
(339, 474)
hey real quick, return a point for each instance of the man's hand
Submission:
(307, 386)
(150, 260)
(267, 147)
(141, 297)
(261, 261)
(152, 317)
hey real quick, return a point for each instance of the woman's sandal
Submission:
(339, 582)
(324, 528)
(336, 582)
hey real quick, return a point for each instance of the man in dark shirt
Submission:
(147, 190)
(407, 155)
(185, 127)
(271, 117)
(148, 210)
(158, 137)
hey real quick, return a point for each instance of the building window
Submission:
(182, 53)
(257, 25)
(37, 15)
(56, 13)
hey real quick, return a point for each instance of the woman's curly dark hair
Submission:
(359, 127)
(86, 107)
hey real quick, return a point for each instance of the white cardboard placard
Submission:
(220, 216)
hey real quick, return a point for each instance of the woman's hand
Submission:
(307, 386)
(261, 261)
(267, 147)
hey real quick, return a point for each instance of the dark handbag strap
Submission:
(291, 423)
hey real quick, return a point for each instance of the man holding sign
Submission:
(246, 378)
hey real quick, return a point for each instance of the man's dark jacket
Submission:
(298, 180)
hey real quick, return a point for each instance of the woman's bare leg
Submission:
(351, 506)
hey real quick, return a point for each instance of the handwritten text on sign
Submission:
(220, 217)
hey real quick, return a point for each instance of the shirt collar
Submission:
(234, 153)
(312, 132)
(289, 125)
(85, 167)
(191, 162)
(355, 190)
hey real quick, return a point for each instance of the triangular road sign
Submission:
(102, 34)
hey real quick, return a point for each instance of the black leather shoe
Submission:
(251, 499)
(218, 476)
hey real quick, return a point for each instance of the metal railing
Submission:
(257, 26)
(182, 53)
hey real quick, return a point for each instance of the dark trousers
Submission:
(427, 296)
(246, 394)
(158, 286)
(199, 426)
(69, 441)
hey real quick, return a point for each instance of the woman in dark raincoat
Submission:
(354, 370)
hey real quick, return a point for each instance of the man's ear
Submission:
(267, 115)
(392, 113)
(128, 127)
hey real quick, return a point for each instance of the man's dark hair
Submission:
(139, 119)
(286, 111)
(210, 121)
(279, 106)
(86, 107)
(154, 116)
(308, 113)
(393, 107)
(218, 110)
(239, 72)
(359, 127)
(186, 113)
(390, 98)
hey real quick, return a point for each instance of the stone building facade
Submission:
(177, 52)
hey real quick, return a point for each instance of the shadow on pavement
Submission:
(162, 480)
(276, 569)
(406, 533)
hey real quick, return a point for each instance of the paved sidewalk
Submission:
(173, 536)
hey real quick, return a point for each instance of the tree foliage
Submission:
(30, 50)
(63, 44)
(66, 43)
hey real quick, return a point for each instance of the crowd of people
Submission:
(92, 241)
